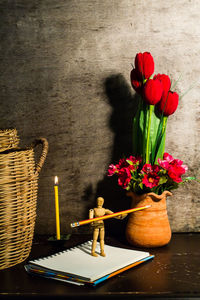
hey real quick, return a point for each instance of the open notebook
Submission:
(76, 265)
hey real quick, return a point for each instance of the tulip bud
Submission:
(166, 82)
(144, 65)
(153, 90)
(136, 83)
(168, 103)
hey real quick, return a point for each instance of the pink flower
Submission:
(176, 170)
(134, 159)
(148, 168)
(132, 168)
(156, 168)
(167, 158)
(124, 177)
(175, 173)
(151, 180)
(122, 164)
(174, 167)
(112, 170)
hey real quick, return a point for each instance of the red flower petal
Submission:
(166, 82)
(122, 164)
(124, 177)
(151, 180)
(168, 103)
(111, 170)
(147, 168)
(135, 82)
(144, 65)
(153, 91)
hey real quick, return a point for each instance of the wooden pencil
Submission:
(128, 211)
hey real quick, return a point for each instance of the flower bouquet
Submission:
(150, 169)
(150, 173)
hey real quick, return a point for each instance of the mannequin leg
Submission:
(102, 234)
(94, 242)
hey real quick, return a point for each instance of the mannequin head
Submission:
(100, 201)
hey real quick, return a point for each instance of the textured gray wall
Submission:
(65, 76)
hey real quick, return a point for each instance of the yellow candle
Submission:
(57, 209)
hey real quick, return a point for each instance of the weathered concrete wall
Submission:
(65, 75)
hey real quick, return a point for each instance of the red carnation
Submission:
(168, 103)
(135, 160)
(124, 177)
(112, 170)
(148, 168)
(151, 180)
(174, 167)
(144, 65)
(153, 90)
(166, 82)
(122, 164)
(176, 171)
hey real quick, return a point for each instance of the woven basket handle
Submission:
(45, 147)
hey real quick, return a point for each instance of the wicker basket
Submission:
(8, 139)
(18, 199)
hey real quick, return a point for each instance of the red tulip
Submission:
(136, 83)
(144, 65)
(153, 90)
(168, 103)
(166, 82)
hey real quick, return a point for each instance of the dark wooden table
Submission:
(174, 273)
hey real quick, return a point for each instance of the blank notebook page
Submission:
(80, 263)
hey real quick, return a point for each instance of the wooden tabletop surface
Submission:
(173, 273)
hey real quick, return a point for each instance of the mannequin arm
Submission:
(120, 217)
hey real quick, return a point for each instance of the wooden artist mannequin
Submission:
(98, 226)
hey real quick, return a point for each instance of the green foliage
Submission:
(148, 137)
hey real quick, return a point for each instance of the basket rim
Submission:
(8, 129)
(17, 150)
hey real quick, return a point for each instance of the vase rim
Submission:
(151, 194)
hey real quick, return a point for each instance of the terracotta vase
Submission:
(149, 227)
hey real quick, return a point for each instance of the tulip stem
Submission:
(163, 132)
(148, 133)
(164, 124)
